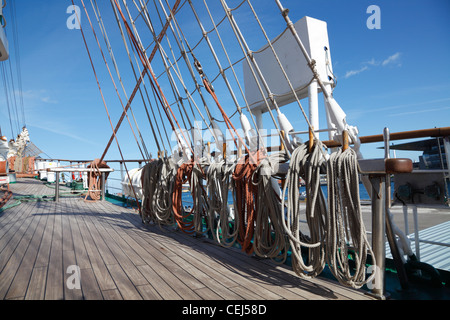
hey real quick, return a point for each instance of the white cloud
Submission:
(34, 96)
(373, 62)
(64, 132)
(392, 59)
(355, 72)
(49, 100)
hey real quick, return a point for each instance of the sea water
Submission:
(363, 195)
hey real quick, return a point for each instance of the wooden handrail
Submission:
(434, 132)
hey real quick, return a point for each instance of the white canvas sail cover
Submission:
(314, 35)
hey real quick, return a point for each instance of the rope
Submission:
(218, 179)
(269, 237)
(306, 166)
(244, 200)
(345, 221)
(157, 186)
(94, 179)
(103, 100)
(6, 196)
(189, 221)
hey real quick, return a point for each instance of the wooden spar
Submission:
(434, 132)
(311, 139)
(345, 139)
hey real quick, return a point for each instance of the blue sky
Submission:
(397, 76)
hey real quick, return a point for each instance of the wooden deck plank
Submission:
(36, 286)
(78, 244)
(148, 292)
(120, 258)
(164, 289)
(19, 285)
(102, 248)
(13, 236)
(102, 275)
(44, 250)
(15, 252)
(104, 231)
(55, 278)
(89, 285)
(71, 292)
(113, 294)
(166, 271)
(124, 284)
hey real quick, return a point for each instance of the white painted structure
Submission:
(314, 36)
(135, 176)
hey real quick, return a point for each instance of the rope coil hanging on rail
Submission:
(221, 224)
(345, 225)
(269, 236)
(308, 167)
(244, 200)
(94, 179)
(189, 221)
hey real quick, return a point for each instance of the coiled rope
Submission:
(189, 221)
(345, 225)
(162, 199)
(149, 178)
(244, 200)
(94, 179)
(269, 236)
(307, 166)
(5, 198)
(218, 182)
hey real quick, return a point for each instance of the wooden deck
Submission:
(120, 258)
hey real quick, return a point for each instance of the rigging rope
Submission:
(261, 225)
(103, 100)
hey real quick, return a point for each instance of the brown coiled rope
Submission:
(193, 173)
(245, 200)
(94, 179)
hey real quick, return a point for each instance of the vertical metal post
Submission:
(313, 97)
(57, 186)
(103, 186)
(121, 177)
(378, 233)
(416, 232)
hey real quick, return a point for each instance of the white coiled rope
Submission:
(269, 236)
(157, 187)
(218, 181)
(307, 166)
(345, 226)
